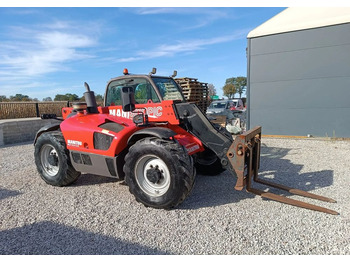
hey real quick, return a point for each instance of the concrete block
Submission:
(21, 130)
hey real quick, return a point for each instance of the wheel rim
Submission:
(152, 175)
(49, 160)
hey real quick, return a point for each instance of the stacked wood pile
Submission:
(171, 92)
(195, 91)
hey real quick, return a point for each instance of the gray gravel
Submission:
(98, 215)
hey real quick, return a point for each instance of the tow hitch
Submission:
(244, 156)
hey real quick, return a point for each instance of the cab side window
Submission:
(144, 92)
(113, 96)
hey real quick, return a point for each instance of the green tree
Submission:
(20, 97)
(241, 85)
(230, 80)
(47, 99)
(211, 90)
(239, 82)
(229, 90)
(3, 99)
(99, 98)
(66, 97)
(59, 97)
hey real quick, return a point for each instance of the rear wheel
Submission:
(208, 163)
(52, 160)
(159, 173)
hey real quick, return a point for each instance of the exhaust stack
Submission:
(90, 100)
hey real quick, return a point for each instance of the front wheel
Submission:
(52, 160)
(159, 173)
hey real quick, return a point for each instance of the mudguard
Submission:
(47, 128)
(160, 132)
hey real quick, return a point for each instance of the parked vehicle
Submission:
(238, 104)
(224, 107)
(147, 134)
(221, 107)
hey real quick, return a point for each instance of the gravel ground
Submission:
(98, 215)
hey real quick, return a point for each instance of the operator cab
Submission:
(147, 89)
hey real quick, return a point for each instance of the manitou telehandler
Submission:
(147, 134)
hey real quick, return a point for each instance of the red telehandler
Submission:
(147, 134)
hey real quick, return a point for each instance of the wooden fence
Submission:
(11, 110)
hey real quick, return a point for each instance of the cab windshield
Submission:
(143, 91)
(168, 88)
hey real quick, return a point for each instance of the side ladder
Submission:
(244, 156)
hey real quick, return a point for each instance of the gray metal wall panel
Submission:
(299, 40)
(324, 62)
(297, 89)
(301, 94)
(300, 122)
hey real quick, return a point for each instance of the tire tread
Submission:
(181, 159)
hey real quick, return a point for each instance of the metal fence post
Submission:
(37, 109)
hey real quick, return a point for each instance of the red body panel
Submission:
(78, 133)
(157, 112)
(78, 130)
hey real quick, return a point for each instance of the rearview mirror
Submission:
(128, 98)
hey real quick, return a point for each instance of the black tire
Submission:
(159, 173)
(52, 160)
(208, 164)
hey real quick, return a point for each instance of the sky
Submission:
(49, 51)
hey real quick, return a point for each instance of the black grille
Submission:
(110, 165)
(76, 158)
(81, 159)
(86, 159)
(102, 141)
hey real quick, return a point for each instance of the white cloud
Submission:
(179, 11)
(183, 47)
(20, 11)
(153, 11)
(29, 53)
(200, 17)
(35, 52)
(38, 89)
